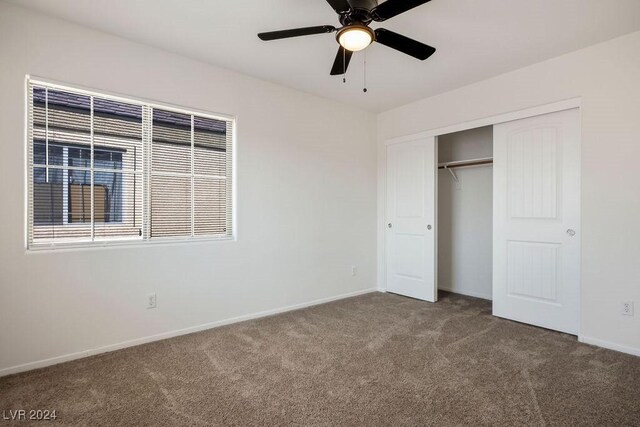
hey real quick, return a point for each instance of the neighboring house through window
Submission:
(74, 197)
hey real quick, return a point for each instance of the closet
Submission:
(490, 211)
(465, 212)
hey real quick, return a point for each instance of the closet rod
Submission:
(462, 163)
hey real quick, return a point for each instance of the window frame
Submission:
(145, 239)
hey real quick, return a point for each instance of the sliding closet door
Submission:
(536, 248)
(410, 239)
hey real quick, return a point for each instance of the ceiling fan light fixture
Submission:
(355, 37)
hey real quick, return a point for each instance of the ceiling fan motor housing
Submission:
(360, 12)
(363, 4)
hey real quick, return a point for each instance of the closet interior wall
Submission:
(465, 217)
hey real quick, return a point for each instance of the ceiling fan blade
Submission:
(296, 32)
(339, 6)
(404, 44)
(341, 63)
(392, 8)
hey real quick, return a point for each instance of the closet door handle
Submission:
(389, 225)
(571, 232)
(429, 227)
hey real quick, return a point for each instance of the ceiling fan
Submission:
(355, 33)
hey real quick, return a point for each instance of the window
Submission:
(104, 169)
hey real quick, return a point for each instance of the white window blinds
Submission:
(105, 169)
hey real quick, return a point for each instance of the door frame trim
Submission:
(538, 110)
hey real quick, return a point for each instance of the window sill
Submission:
(137, 243)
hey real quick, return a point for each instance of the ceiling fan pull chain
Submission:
(344, 65)
(365, 72)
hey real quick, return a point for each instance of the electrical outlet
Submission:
(354, 270)
(152, 301)
(627, 308)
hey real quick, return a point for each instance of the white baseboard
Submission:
(609, 345)
(467, 293)
(144, 340)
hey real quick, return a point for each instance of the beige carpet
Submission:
(377, 359)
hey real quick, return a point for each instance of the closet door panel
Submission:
(536, 221)
(410, 212)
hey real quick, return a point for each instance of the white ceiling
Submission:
(476, 39)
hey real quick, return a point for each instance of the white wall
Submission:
(465, 215)
(605, 76)
(306, 171)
